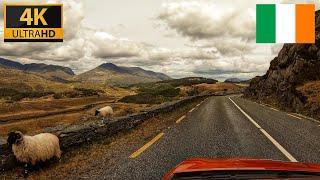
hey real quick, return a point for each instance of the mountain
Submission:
(233, 80)
(293, 79)
(237, 80)
(189, 81)
(54, 72)
(112, 74)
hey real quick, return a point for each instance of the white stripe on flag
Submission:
(285, 23)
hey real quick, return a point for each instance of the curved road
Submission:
(223, 127)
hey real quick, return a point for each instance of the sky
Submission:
(209, 38)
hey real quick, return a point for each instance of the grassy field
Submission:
(34, 115)
(165, 91)
(39, 124)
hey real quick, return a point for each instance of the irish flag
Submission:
(285, 23)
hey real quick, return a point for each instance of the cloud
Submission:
(202, 20)
(107, 46)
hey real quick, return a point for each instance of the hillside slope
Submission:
(53, 72)
(111, 74)
(295, 66)
(24, 82)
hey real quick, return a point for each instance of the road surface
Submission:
(219, 127)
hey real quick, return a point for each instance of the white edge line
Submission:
(306, 117)
(274, 109)
(294, 116)
(284, 151)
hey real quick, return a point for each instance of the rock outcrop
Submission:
(295, 65)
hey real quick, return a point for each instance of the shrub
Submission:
(30, 94)
(144, 98)
(153, 95)
(77, 92)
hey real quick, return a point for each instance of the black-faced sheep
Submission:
(105, 112)
(34, 149)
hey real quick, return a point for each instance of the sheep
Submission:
(105, 112)
(34, 149)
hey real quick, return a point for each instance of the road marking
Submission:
(265, 105)
(294, 116)
(146, 146)
(284, 151)
(308, 118)
(262, 104)
(274, 109)
(191, 110)
(180, 119)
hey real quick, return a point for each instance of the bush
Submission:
(153, 95)
(144, 98)
(7, 92)
(31, 94)
(78, 92)
(87, 92)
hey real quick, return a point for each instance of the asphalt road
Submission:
(221, 127)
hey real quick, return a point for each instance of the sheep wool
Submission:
(106, 111)
(37, 148)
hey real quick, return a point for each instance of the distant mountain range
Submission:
(112, 74)
(52, 72)
(236, 80)
(233, 80)
(107, 73)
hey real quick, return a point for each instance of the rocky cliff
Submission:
(295, 65)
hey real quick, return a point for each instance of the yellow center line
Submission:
(191, 110)
(180, 119)
(146, 146)
(294, 116)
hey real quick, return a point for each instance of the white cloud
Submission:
(107, 46)
(202, 20)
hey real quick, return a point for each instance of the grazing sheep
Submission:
(34, 149)
(105, 112)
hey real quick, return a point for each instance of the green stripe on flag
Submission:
(266, 23)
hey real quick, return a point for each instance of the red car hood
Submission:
(198, 164)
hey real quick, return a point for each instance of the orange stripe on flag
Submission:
(305, 23)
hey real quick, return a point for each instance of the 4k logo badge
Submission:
(33, 23)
